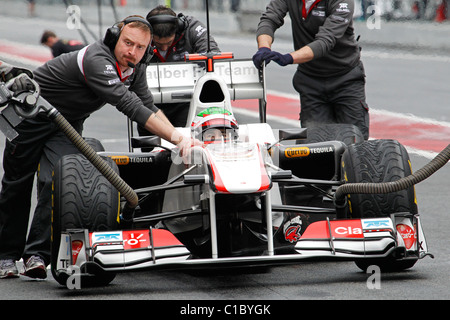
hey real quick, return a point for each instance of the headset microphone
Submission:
(131, 65)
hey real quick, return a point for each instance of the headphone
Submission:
(179, 20)
(113, 33)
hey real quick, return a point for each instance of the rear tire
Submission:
(372, 162)
(95, 144)
(83, 199)
(347, 133)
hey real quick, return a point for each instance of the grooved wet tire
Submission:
(379, 161)
(82, 199)
(347, 133)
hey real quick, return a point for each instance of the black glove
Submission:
(261, 56)
(281, 59)
(22, 83)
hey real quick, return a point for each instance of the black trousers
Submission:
(37, 149)
(339, 99)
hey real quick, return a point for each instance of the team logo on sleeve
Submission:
(109, 69)
(200, 30)
(343, 7)
(113, 81)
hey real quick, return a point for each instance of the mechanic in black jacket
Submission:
(59, 46)
(77, 84)
(330, 76)
(173, 37)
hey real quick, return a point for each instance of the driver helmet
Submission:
(215, 124)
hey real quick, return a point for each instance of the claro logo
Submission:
(348, 230)
(296, 152)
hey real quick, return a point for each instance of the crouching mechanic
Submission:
(174, 36)
(330, 76)
(110, 71)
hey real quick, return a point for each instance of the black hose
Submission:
(121, 186)
(387, 187)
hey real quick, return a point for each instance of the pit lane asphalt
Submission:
(429, 279)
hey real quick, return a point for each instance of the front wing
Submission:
(400, 236)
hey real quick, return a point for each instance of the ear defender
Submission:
(179, 20)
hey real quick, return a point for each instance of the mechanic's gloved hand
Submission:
(281, 59)
(22, 83)
(261, 56)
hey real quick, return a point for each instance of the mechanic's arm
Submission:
(264, 40)
(302, 55)
(158, 124)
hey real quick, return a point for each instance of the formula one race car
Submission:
(251, 195)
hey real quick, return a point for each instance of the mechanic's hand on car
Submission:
(266, 55)
(185, 145)
(22, 83)
(20, 77)
(281, 59)
(261, 56)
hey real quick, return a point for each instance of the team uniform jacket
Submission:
(193, 39)
(92, 78)
(65, 46)
(324, 25)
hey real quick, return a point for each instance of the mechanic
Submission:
(112, 70)
(330, 76)
(174, 36)
(59, 46)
